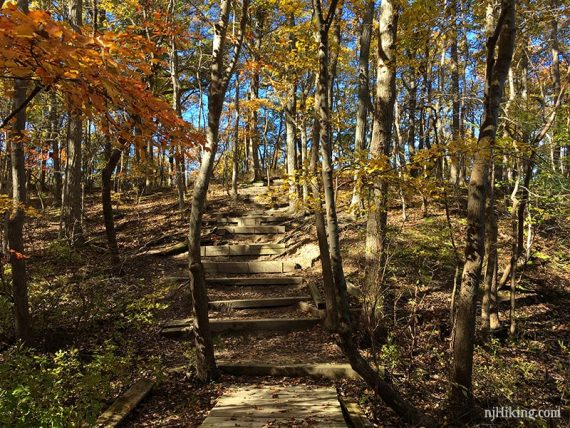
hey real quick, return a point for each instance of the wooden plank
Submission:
(124, 404)
(216, 422)
(226, 267)
(254, 392)
(256, 249)
(214, 250)
(177, 332)
(251, 220)
(254, 281)
(328, 371)
(249, 267)
(241, 250)
(181, 327)
(304, 409)
(249, 230)
(357, 417)
(257, 303)
(262, 324)
(319, 302)
(308, 307)
(170, 250)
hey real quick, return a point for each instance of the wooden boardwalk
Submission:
(276, 406)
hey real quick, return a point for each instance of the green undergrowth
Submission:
(62, 389)
(90, 329)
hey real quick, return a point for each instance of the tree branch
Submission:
(22, 106)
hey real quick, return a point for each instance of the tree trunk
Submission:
(358, 363)
(290, 127)
(381, 140)
(363, 99)
(290, 118)
(489, 307)
(16, 216)
(113, 158)
(235, 151)
(54, 138)
(71, 210)
(555, 69)
(464, 328)
(219, 78)
(455, 167)
(331, 318)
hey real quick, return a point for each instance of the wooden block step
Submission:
(250, 267)
(317, 297)
(319, 370)
(177, 332)
(123, 405)
(256, 280)
(242, 250)
(264, 324)
(258, 303)
(253, 230)
(183, 327)
(251, 220)
(355, 414)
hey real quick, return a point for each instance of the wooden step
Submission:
(252, 230)
(183, 327)
(242, 250)
(258, 303)
(251, 220)
(124, 404)
(317, 297)
(254, 368)
(355, 413)
(256, 280)
(250, 267)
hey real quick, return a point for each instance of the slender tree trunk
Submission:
(54, 139)
(235, 151)
(219, 79)
(555, 69)
(363, 99)
(455, 171)
(290, 119)
(412, 107)
(71, 210)
(331, 318)
(113, 158)
(489, 307)
(381, 142)
(358, 363)
(290, 127)
(15, 216)
(176, 104)
(464, 329)
(304, 154)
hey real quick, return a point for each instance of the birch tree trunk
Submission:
(290, 126)
(220, 74)
(363, 98)
(381, 141)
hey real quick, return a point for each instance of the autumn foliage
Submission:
(102, 75)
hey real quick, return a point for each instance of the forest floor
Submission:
(77, 303)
